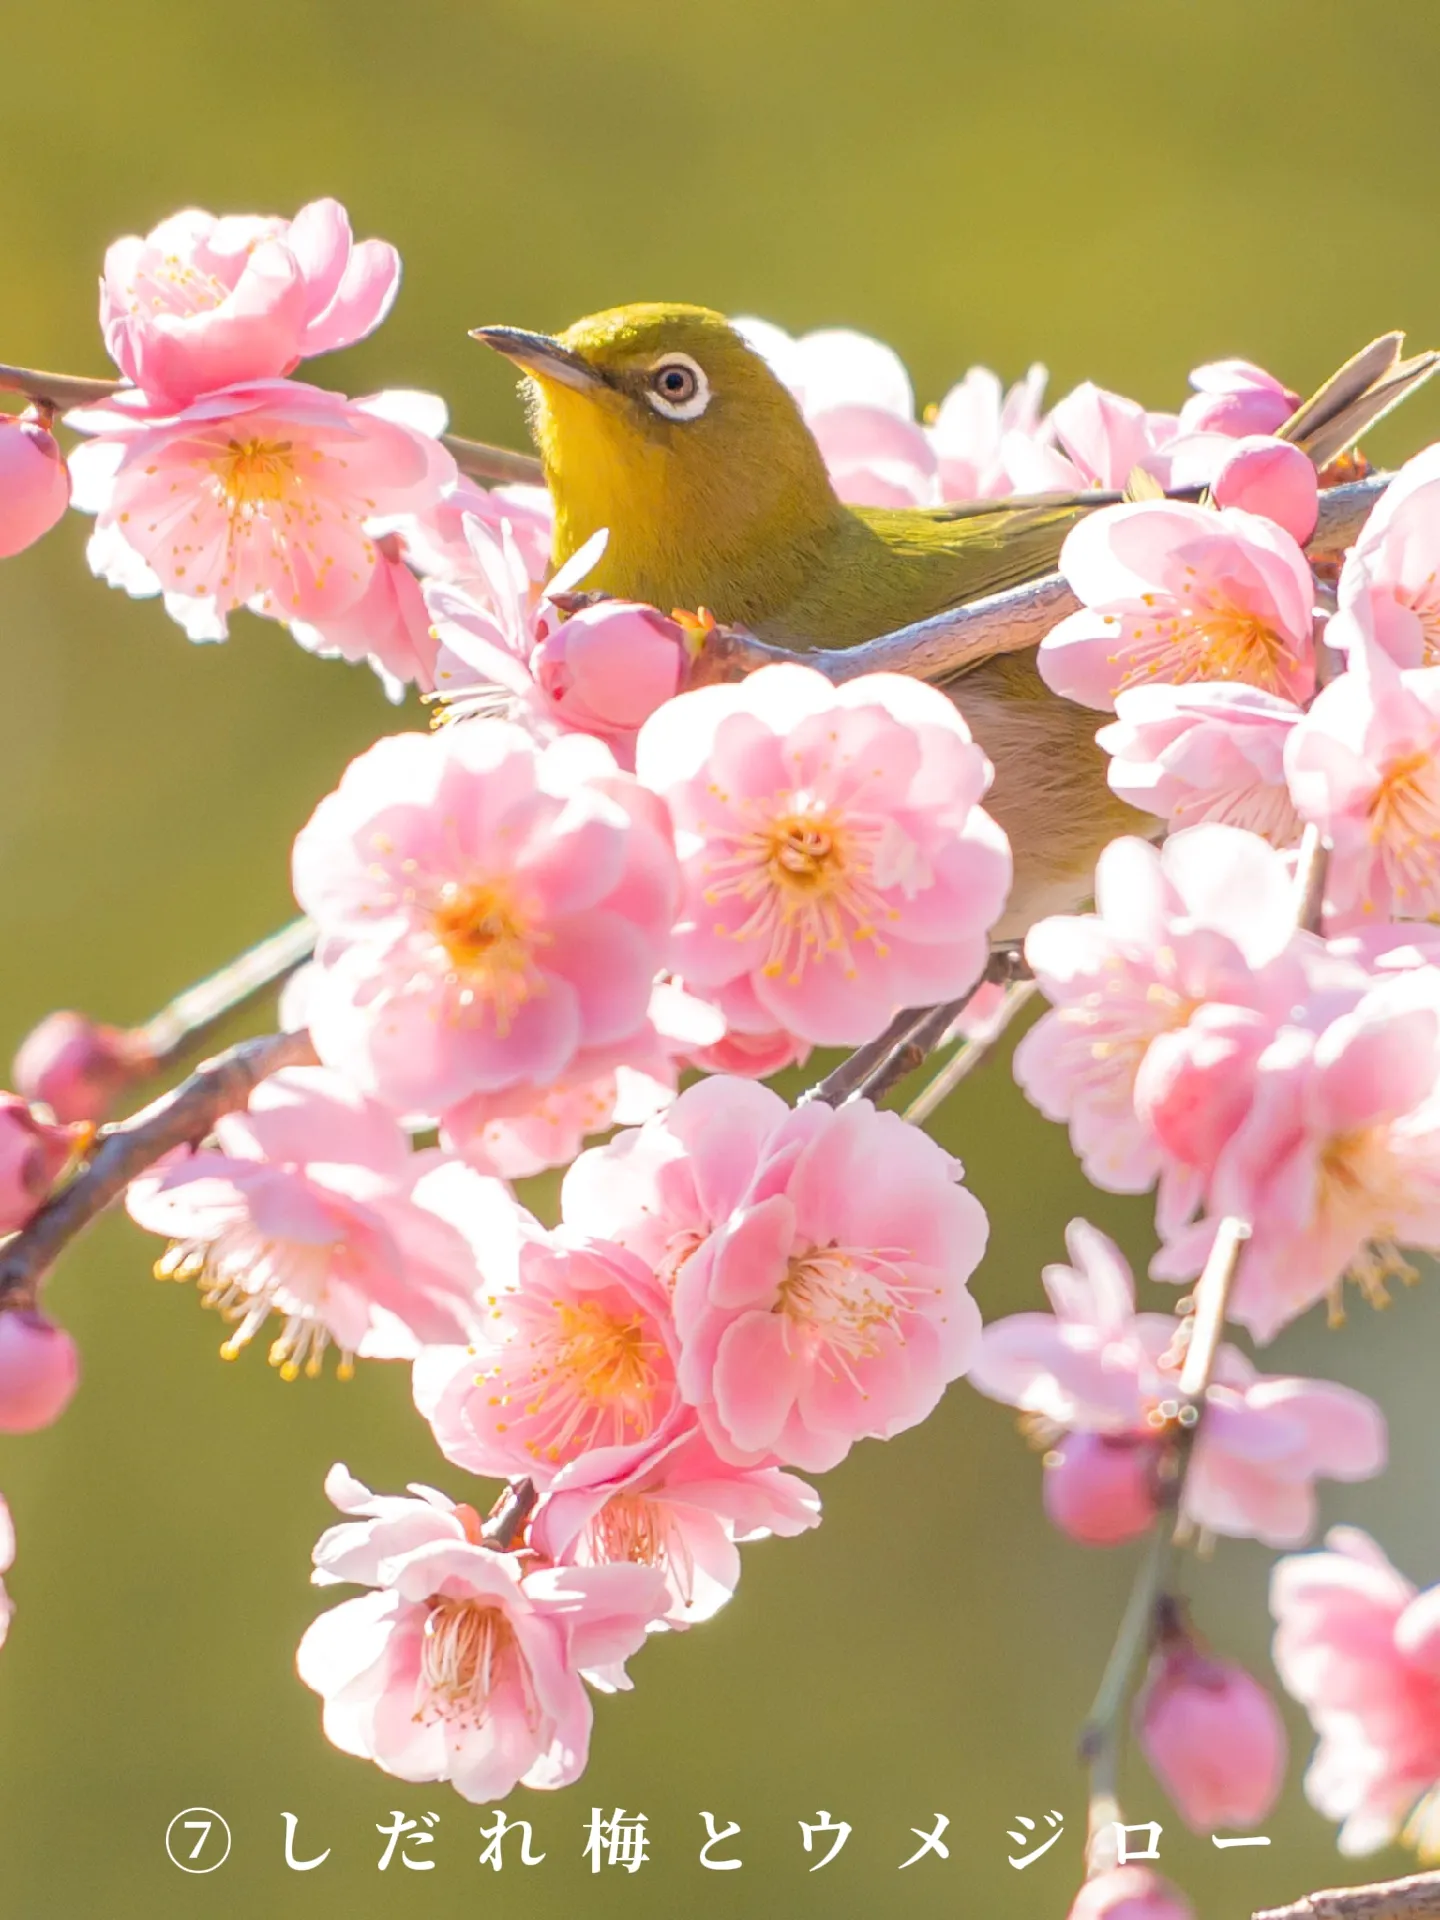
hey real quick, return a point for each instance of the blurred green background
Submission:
(1121, 189)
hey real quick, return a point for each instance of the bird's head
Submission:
(660, 423)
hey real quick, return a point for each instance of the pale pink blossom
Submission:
(263, 496)
(1391, 576)
(33, 1153)
(1237, 398)
(750, 1044)
(1213, 750)
(980, 432)
(39, 1371)
(830, 1303)
(388, 627)
(1272, 478)
(438, 543)
(1359, 1647)
(1102, 1488)
(1130, 1893)
(313, 1207)
(201, 303)
(1102, 437)
(1095, 1366)
(7, 1560)
(1213, 1737)
(463, 1663)
(34, 481)
(574, 1355)
(680, 1509)
(1364, 766)
(1336, 1164)
(832, 845)
(1208, 917)
(1173, 592)
(489, 908)
(79, 1067)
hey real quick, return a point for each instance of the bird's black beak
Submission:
(538, 354)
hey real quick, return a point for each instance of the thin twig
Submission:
(496, 464)
(872, 1070)
(179, 1118)
(1415, 1898)
(970, 1053)
(1100, 1736)
(1312, 868)
(187, 1020)
(506, 1519)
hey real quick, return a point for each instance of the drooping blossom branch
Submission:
(1151, 1594)
(182, 1117)
(61, 390)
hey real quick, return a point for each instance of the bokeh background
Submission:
(1121, 189)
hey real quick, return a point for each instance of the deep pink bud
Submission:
(77, 1067)
(39, 1368)
(1130, 1893)
(1196, 1083)
(34, 481)
(32, 1152)
(608, 667)
(1272, 478)
(1213, 1737)
(1238, 398)
(1099, 1487)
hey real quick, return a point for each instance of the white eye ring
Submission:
(676, 387)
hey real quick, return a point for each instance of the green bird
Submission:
(660, 424)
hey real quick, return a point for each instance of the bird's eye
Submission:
(677, 388)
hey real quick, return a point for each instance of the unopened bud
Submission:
(39, 1368)
(77, 1067)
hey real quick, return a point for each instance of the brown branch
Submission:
(1416, 1898)
(506, 1519)
(179, 1118)
(495, 464)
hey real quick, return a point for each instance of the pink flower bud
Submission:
(39, 1368)
(31, 1155)
(77, 1067)
(1099, 1487)
(1274, 479)
(1238, 398)
(608, 667)
(1195, 1084)
(1213, 1737)
(1130, 1893)
(34, 481)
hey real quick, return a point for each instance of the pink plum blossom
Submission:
(1095, 1366)
(1336, 1163)
(463, 1663)
(575, 1355)
(489, 908)
(34, 481)
(1391, 576)
(1359, 1648)
(79, 1067)
(313, 1207)
(1174, 593)
(1208, 917)
(833, 849)
(831, 1303)
(7, 1560)
(201, 303)
(607, 668)
(1213, 1737)
(1102, 438)
(388, 627)
(1130, 1893)
(39, 1371)
(262, 496)
(1237, 398)
(981, 432)
(680, 1509)
(438, 543)
(1272, 478)
(1101, 1488)
(1364, 766)
(33, 1153)
(750, 1043)
(1213, 750)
